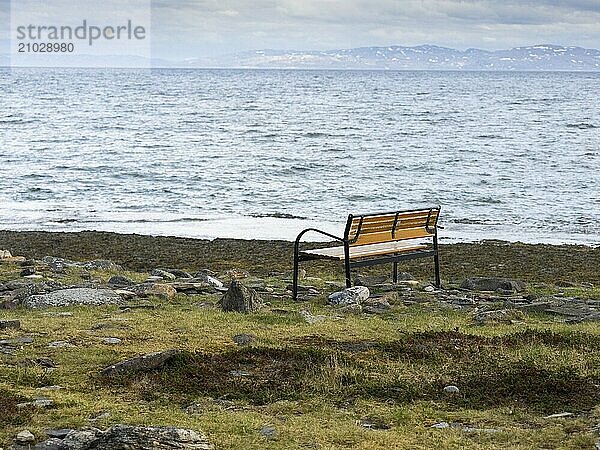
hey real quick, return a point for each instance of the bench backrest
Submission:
(391, 226)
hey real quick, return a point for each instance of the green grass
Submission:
(316, 383)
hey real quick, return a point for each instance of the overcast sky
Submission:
(188, 28)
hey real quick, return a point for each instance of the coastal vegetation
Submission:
(308, 374)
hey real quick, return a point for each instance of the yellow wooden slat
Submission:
(365, 251)
(410, 233)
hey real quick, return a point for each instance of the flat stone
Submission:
(161, 290)
(203, 276)
(177, 273)
(17, 341)
(125, 294)
(143, 363)
(492, 284)
(60, 344)
(497, 316)
(13, 259)
(192, 288)
(10, 324)
(58, 433)
(559, 415)
(42, 402)
(120, 280)
(111, 340)
(71, 297)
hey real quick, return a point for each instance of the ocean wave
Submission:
(276, 215)
(582, 126)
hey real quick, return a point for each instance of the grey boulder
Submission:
(75, 296)
(351, 295)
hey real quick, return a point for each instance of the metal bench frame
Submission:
(393, 257)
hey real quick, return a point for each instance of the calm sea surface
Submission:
(262, 154)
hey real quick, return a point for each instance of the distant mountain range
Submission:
(422, 57)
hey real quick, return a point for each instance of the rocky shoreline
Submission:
(542, 263)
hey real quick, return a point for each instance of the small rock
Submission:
(492, 284)
(45, 362)
(120, 280)
(497, 316)
(373, 424)
(356, 294)
(353, 308)
(159, 274)
(111, 340)
(54, 387)
(102, 264)
(268, 431)
(161, 290)
(411, 283)
(10, 324)
(203, 276)
(309, 318)
(440, 425)
(125, 294)
(100, 416)
(17, 341)
(177, 273)
(58, 433)
(239, 373)
(60, 344)
(376, 306)
(244, 339)
(240, 298)
(429, 289)
(451, 389)
(4, 254)
(154, 279)
(41, 402)
(27, 271)
(25, 437)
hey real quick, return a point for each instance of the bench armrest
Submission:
(303, 232)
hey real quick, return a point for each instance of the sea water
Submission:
(265, 153)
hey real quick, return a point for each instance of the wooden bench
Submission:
(378, 238)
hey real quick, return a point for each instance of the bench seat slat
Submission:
(364, 251)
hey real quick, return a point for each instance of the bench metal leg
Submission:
(436, 260)
(347, 264)
(296, 262)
